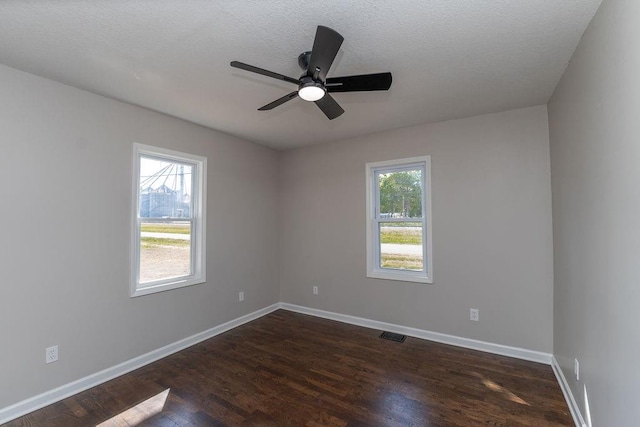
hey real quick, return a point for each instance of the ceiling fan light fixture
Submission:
(311, 91)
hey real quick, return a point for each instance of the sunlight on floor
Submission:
(587, 409)
(498, 388)
(139, 413)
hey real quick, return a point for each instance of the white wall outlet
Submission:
(51, 354)
(474, 314)
(315, 290)
(241, 296)
(576, 369)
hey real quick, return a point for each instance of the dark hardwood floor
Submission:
(291, 369)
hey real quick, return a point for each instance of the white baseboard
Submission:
(47, 398)
(504, 350)
(578, 419)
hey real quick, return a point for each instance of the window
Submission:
(169, 221)
(399, 220)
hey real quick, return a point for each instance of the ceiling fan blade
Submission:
(264, 72)
(279, 101)
(325, 49)
(329, 107)
(364, 82)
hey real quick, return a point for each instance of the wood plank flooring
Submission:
(289, 369)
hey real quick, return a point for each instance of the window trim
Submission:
(198, 234)
(373, 252)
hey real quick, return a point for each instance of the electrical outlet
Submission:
(315, 290)
(51, 354)
(241, 296)
(474, 314)
(576, 369)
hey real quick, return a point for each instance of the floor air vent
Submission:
(393, 337)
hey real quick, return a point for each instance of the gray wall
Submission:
(594, 121)
(491, 229)
(65, 180)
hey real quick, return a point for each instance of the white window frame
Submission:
(373, 219)
(198, 233)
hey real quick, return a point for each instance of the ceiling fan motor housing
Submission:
(311, 87)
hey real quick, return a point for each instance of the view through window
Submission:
(400, 219)
(166, 222)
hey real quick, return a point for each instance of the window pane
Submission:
(401, 245)
(165, 189)
(165, 250)
(400, 194)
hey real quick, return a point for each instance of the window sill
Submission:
(401, 277)
(166, 286)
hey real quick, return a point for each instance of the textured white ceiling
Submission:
(449, 58)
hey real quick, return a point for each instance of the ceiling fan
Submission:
(313, 84)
